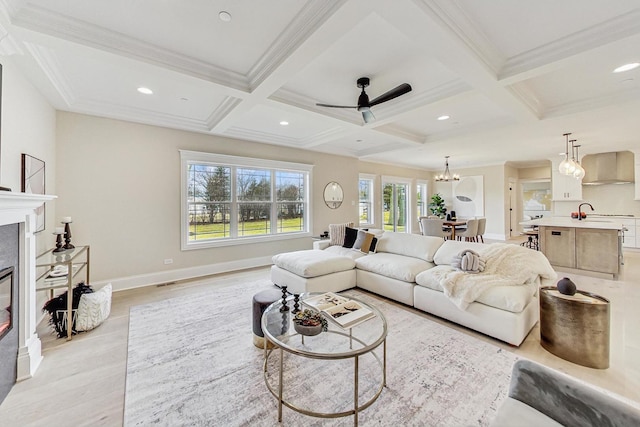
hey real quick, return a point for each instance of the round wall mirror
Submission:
(333, 195)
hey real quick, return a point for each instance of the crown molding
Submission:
(55, 24)
(222, 110)
(325, 137)
(598, 35)
(527, 97)
(269, 138)
(312, 16)
(138, 115)
(452, 17)
(48, 63)
(398, 132)
(621, 96)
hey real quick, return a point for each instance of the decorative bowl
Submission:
(307, 330)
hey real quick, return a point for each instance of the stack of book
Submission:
(342, 311)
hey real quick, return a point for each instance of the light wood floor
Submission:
(82, 382)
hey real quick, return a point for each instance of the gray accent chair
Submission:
(433, 227)
(470, 233)
(540, 396)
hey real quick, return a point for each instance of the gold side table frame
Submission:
(575, 328)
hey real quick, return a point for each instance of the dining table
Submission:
(453, 224)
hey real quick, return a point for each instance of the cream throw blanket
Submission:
(506, 265)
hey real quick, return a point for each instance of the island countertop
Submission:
(599, 223)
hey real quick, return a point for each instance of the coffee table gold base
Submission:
(357, 407)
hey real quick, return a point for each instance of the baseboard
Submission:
(142, 280)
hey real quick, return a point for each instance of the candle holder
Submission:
(67, 236)
(284, 306)
(59, 247)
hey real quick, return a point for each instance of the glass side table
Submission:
(76, 260)
(334, 344)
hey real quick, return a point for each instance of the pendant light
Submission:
(579, 172)
(567, 166)
(446, 176)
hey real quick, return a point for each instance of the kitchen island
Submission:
(588, 245)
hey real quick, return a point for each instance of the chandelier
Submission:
(447, 176)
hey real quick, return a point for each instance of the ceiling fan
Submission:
(364, 105)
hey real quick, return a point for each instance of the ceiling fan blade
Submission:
(336, 106)
(368, 116)
(393, 93)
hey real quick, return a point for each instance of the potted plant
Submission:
(437, 206)
(309, 322)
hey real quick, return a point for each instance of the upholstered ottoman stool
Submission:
(313, 271)
(261, 301)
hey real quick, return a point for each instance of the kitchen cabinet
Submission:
(630, 236)
(558, 244)
(582, 245)
(597, 250)
(563, 187)
(636, 155)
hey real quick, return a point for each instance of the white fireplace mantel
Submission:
(19, 208)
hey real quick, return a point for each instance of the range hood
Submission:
(608, 168)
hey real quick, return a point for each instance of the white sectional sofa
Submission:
(414, 270)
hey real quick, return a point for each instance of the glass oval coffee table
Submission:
(337, 344)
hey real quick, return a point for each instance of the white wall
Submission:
(28, 126)
(607, 199)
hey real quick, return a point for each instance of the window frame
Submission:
(372, 214)
(409, 207)
(187, 157)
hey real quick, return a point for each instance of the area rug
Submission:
(191, 361)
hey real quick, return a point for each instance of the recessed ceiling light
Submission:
(445, 117)
(284, 123)
(626, 67)
(224, 16)
(358, 140)
(145, 90)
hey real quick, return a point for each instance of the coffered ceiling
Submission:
(513, 75)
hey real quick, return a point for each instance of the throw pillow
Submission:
(337, 232)
(374, 245)
(350, 236)
(363, 242)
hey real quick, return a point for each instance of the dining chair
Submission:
(433, 227)
(471, 233)
(482, 225)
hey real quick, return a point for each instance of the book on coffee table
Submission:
(344, 312)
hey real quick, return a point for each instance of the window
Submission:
(422, 200)
(232, 200)
(366, 199)
(395, 201)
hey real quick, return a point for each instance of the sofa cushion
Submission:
(337, 232)
(342, 251)
(394, 266)
(451, 248)
(412, 245)
(508, 298)
(312, 263)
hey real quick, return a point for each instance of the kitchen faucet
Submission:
(580, 212)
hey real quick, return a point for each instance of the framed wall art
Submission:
(33, 177)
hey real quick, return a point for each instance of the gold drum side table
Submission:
(575, 327)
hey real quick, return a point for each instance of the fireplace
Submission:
(9, 293)
(6, 300)
(20, 352)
